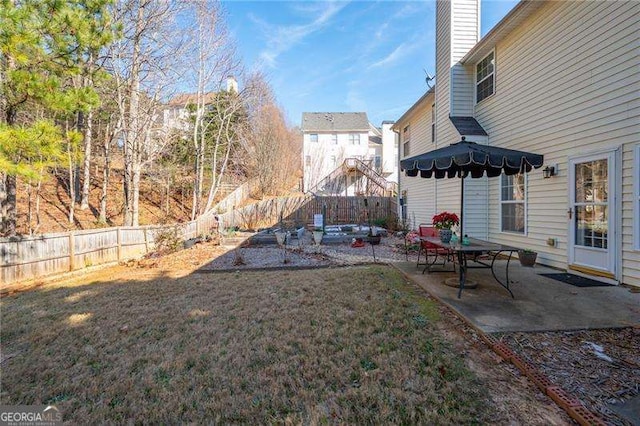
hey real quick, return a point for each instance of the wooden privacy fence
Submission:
(300, 210)
(31, 257)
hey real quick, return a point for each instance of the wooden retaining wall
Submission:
(24, 258)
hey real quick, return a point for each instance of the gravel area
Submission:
(390, 249)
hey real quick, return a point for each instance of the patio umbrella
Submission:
(465, 158)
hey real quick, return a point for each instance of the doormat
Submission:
(576, 280)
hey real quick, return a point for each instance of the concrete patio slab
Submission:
(540, 304)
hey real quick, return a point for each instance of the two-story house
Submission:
(344, 154)
(561, 79)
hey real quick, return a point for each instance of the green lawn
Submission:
(356, 345)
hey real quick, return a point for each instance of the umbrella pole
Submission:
(461, 206)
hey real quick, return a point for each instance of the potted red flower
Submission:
(444, 222)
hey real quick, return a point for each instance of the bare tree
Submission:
(214, 108)
(147, 61)
(271, 148)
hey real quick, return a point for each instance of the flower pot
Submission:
(445, 235)
(374, 239)
(527, 258)
(317, 237)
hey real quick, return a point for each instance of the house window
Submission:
(334, 162)
(313, 137)
(377, 162)
(485, 77)
(307, 160)
(334, 139)
(513, 203)
(406, 139)
(433, 123)
(354, 139)
(636, 198)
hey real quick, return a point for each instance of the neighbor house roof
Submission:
(373, 130)
(335, 122)
(468, 126)
(184, 99)
(510, 22)
(375, 140)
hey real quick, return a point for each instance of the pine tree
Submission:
(44, 45)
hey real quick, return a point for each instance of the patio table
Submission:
(475, 246)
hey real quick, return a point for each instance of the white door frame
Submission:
(614, 210)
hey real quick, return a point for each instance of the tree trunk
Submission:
(105, 176)
(197, 183)
(29, 209)
(135, 195)
(86, 181)
(72, 187)
(132, 143)
(38, 188)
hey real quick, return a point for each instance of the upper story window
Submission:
(406, 140)
(513, 203)
(485, 77)
(433, 123)
(334, 139)
(354, 138)
(313, 137)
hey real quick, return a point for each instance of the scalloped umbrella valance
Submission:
(466, 158)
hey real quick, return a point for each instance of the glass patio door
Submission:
(592, 215)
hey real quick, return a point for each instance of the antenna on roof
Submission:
(428, 79)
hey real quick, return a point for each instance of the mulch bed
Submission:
(599, 367)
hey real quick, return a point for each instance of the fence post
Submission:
(119, 241)
(72, 251)
(146, 240)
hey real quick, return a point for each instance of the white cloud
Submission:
(280, 39)
(403, 50)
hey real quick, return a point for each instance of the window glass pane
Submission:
(314, 137)
(513, 188)
(484, 89)
(591, 226)
(513, 217)
(484, 67)
(592, 182)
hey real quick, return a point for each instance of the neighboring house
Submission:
(560, 79)
(176, 114)
(344, 154)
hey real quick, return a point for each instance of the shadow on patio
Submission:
(540, 304)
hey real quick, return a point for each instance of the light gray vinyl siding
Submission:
(420, 192)
(462, 91)
(464, 35)
(451, 46)
(567, 84)
(630, 256)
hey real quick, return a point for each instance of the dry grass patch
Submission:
(355, 345)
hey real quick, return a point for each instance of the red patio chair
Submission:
(425, 230)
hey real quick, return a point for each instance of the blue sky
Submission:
(344, 56)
